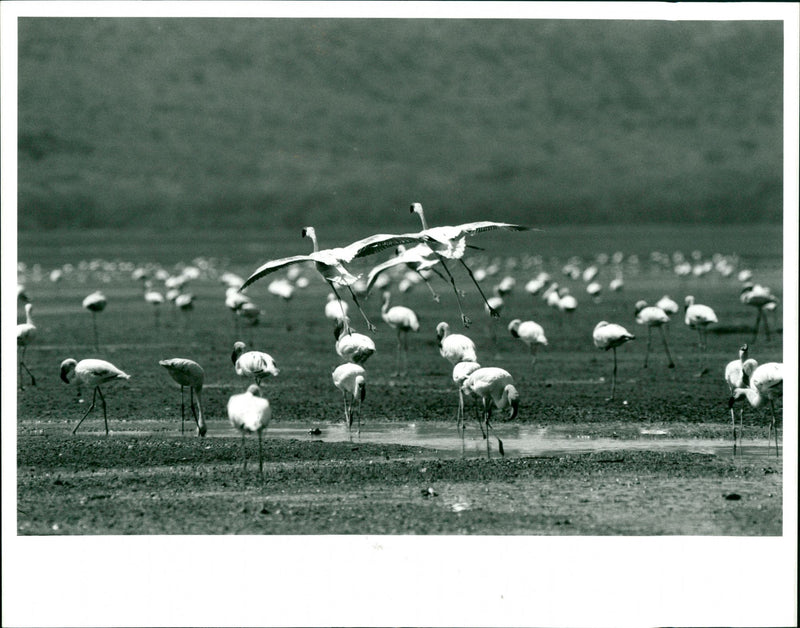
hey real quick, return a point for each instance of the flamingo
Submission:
(26, 334)
(450, 242)
(91, 373)
(335, 310)
(95, 302)
(495, 387)
(759, 297)
(353, 347)
(610, 336)
(330, 263)
(455, 348)
(418, 259)
(529, 332)
(249, 412)
(766, 383)
(699, 317)
(403, 320)
(736, 377)
(154, 298)
(668, 305)
(234, 300)
(351, 380)
(185, 303)
(22, 294)
(495, 303)
(255, 364)
(188, 373)
(284, 289)
(461, 372)
(653, 316)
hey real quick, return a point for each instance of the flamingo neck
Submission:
(421, 213)
(313, 235)
(28, 317)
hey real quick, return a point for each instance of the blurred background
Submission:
(166, 123)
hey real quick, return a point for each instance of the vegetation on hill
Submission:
(236, 122)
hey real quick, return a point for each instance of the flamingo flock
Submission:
(421, 257)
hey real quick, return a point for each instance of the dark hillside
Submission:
(129, 121)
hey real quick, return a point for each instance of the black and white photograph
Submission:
(435, 313)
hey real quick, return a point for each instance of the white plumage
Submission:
(699, 317)
(418, 259)
(91, 373)
(455, 348)
(26, 334)
(255, 364)
(736, 377)
(610, 336)
(250, 413)
(653, 316)
(353, 347)
(403, 320)
(765, 384)
(761, 298)
(95, 302)
(351, 380)
(668, 305)
(461, 372)
(188, 373)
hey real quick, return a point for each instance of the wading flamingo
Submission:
(403, 320)
(699, 317)
(26, 334)
(653, 316)
(496, 389)
(461, 372)
(255, 364)
(351, 380)
(736, 377)
(188, 373)
(455, 348)
(250, 413)
(766, 383)
(95, 302)
(91, 373)
(529, 332)
(610, 336)
(353, 347)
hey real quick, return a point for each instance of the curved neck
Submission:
(422, 218)
(313, 235)
(28, 317)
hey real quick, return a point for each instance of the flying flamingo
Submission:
(26, 334)
(255, 364)
(188, 373)
(495, 387)
(403, 320)
(736, 377)
(766, 383)
(761, 298)
(95, 302)
(330, 263)
(699, 317)
(461, 372)
(529, 332)
(91, 373)
(353, 347)
(351, 380)
(249, 412)
(653, 316)
(450, 242)
(610, 336)
(418, 259)
(455, 348)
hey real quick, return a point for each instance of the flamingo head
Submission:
(442, 329)
(308, 232)
(640, 305)
(416, 208)
(254, 390)
(513, 327)
(743, 352)
(67, 368)
(513, 400)
(238, 349)
(689, 300)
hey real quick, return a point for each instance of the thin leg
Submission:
(260, 457)
(613, 375)
(733, 421)
(492, 311)
(191, 405)
(33, 380)
(755, 328)
(774, 425)
(464, 318)
(370, 326)
(405, 353)
(397, 357)
(430, 287)
(91, 407)
(181, 409)
(766, 325)
(649, 340)
(94, 326)
(671, 364)
(741, 429)
(487, 414)
(103, 400)
(244, 456)
(345, 323)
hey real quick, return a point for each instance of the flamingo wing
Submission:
(273, 265)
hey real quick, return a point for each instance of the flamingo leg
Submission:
(91, 407)
(33, 380)
(666, 348)
(774, 425)
(494, 313)
(244, 456)
(613, 375)
(103, 401)
(487, 413)
(181, 409)
(428, 283)
(260, 457)
(649, 340)
(733, 422)
(766, 325)
(755, 328)
(464, 318)
(370, 326)
(94, 326)
(533, 356)
(405, 352)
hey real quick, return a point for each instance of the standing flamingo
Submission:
(736, 377)
(154, 298)
(450, 242)
(766, 383)
(249, 412)
(653, 316)
(761, 298)
(255, 364)
(455, 348)
(353, 347)
(529, 332)
(351, 380)
(495, 387)
(91, 373)
(668, 305)
(188, 373)
(330, 263)
(26, 334)
(461, 372)
(95, 302)
(403, 320)
(610, 336)
(699, 317)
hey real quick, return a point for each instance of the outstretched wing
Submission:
(373, 274)
(375, 244)
(273, 265)
(471, 228)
